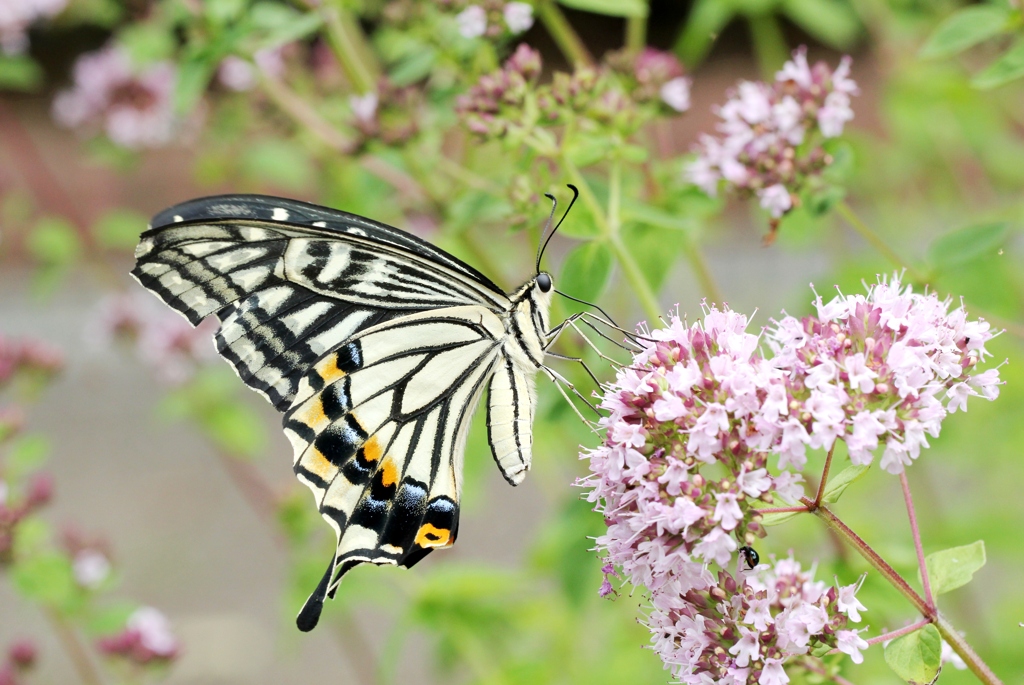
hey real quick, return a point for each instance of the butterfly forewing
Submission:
(377, 347)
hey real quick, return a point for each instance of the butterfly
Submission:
(375, 345)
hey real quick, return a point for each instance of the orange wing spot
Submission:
(328, 369)
(315, 462)
(431, 536)
(313, 415)
(389, 473)
(372, 449)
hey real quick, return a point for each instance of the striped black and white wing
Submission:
(291, 281)
(379, 429)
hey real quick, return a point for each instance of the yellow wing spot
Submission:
(372, 449)
(313, 415)
(389, 475)
(328, 369)
(431, 536)
(315, 462)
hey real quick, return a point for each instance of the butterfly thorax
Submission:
(527, 324)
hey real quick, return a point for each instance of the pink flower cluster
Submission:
(881, 369)
(27, 356)
(21, 658)
(869, 369)
(132, 106)
(740, 631)
(163, 339)
(16, 16)
(147, 639)
(769, 136)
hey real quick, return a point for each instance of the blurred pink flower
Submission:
(16, 16)
(518, 16)
(472, 21)
(147, 638)
(132, 106)
(162, 338)
(239, 74)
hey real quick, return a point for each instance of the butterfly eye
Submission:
(543, 282)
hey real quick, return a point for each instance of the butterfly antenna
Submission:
(544, 245)
(547, 225)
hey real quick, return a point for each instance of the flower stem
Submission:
(87, 672)
(873, 238)
(304, 115)
(945, 628)
(916, 534)
(769, 43)
(636, 32)
(905, 630)
(781, 510)
(564, 35)
(700, 268)
(349, 43)
(824, 476)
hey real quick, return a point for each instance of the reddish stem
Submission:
(916, 533)
(905, 630)
(824, 475)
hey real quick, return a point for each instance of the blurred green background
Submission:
(186, 475)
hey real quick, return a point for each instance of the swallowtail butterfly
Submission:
(377, 348)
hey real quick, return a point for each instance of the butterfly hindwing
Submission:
(379, 427)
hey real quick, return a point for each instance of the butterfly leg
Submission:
(560, 380)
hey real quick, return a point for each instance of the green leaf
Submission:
(26, 455)
(414, 67)
(954, 567)
(612, 8)
(280, 163)
(838, 483)
(821, 202)
(655, 216)
(965, 28)
(110, 619)
(54, 241)
(1007, 68)
(19, 72)
(831, 21)
(586, 270)
(781, 517)
(224, 11)
(968, 244)
(147, 43)
(45, 578)
(707, 19)
(916, 657)
(586, 150)
(119, 229)
(194, 75)
(655, 250)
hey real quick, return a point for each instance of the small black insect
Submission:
(750, 555)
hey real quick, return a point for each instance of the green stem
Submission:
(635, 275)
(873, 238)
(349, 44)
(701, 270)
(769, 43)
(636, 33)
(73, 645)
(564, 34)
(609, 230)
(948, 632)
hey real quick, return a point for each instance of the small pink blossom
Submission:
(132, 106)
(851, 643)
(472, 21)
(16, 16)
(676, 93)
(518, 16)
